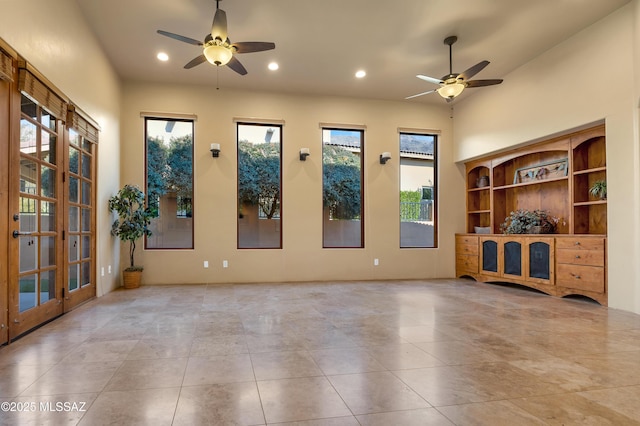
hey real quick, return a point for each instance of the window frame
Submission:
(279, 215)
(434, 187)
(361, 132)
(170, 118)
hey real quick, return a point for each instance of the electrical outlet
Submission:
(376, 262)
(225, 264)
(102, 271)
(109, 269)
(206, 263)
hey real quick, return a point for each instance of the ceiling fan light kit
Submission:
(216, 47)
(452, 85)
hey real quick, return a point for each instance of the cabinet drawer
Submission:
(580, 257)
(588, 278)
(467, 263)
(467, 239)
(580, 243)
(466, 249)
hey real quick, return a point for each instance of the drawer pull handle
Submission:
(577, 277)
(577, 256)
(577, 243)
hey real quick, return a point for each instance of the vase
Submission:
(482, 181)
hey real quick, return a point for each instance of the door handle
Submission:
(17, 234)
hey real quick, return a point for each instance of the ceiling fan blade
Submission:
(195, 61)
(430, 79)
(219, 27)
(253, 46)
(482, 83)
(180, 38)
(420, 94)
(473, 70)
(235, 65)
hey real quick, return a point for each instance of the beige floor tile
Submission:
(225, 345)
(421, 417)
(346, 361)
(144, 407)
(218, 369)
(288, 400)
(103, 350)
(225, 404)
(68, 378)
(376, 392)
(572, 409)
(403, 357)
(494, 413)
(623, 400)
(284, 365)
(148, 374)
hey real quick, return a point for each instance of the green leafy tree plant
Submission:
(525, 221)
(259, 176)
(133, 218)
(342, 182)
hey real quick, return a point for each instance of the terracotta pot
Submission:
(131, 279)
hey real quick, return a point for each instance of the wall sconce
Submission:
(215, 149)
(384, 157)
(304, 153)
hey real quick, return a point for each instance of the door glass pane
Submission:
(74, 184)
(28, 139)
(28, 177)
(74, 248)
(47, 119)
(28, 216)
(47, 251)
(48, 182)
(73, 160)
(74, 275)
(86, 220)
(27, 296)
(86, 166)
(86, 193)
(74, 219)
(48, 216)
(48, 148)
(28, 253)
(86, 246)
(490, 256)
(47, 286)
(86, 274)
(28, 107)
(86, 145)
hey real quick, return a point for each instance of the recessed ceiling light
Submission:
(163, 57)
(361, 74)
(273, 66)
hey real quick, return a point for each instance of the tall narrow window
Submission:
(418, 190)
(342, 190)
(169, 187)
(259, 186)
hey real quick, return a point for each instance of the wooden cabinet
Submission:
(553, 175)
(581, 266)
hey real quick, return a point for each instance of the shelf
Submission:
(478, 211)
(590, 203)
(484, 188)
(536, 182)
(586, 171)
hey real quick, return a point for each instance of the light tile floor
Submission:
(437, 352)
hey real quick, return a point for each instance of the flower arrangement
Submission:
(530, 222)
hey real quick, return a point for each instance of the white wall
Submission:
(57, 42)
(587, 78)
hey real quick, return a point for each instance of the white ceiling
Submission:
(320, 44)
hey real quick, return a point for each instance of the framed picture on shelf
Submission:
(543, 171)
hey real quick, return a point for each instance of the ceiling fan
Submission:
(217, 48)
(451, 85)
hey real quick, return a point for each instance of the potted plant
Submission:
(599, 189)
(132, 224)
(530, 222)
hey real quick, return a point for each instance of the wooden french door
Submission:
(35, 208)
(5, 87)
(79, 243)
